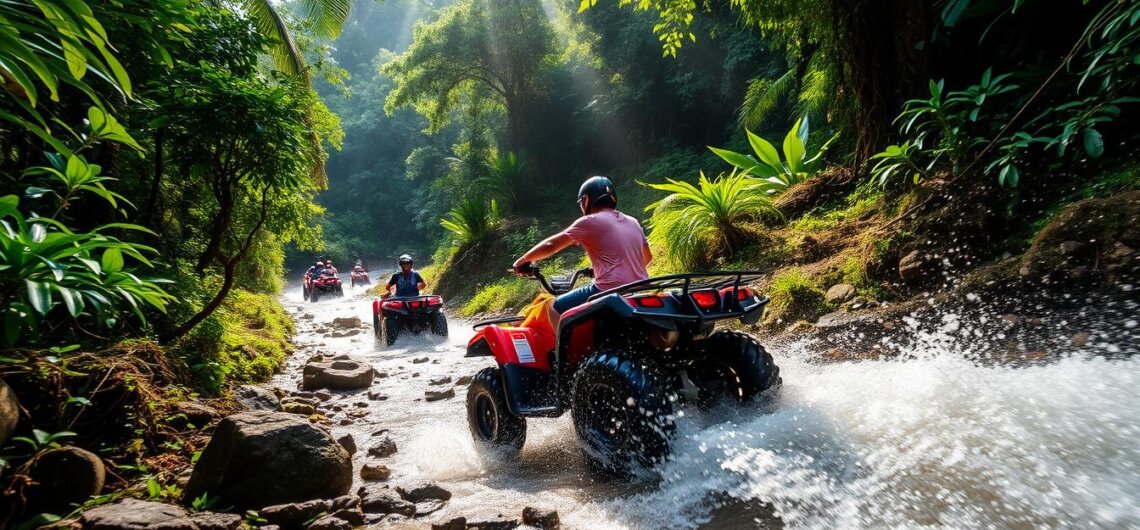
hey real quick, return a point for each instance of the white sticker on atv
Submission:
(522, 348)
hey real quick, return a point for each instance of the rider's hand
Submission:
(522, 268)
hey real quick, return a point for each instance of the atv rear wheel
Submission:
(314, 295)
(734, 366)
(492, 423)
(438, 325)
(623, 412)
(377, 331)
(391, 330)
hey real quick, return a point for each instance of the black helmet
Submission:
(404, 258)
(595, 192)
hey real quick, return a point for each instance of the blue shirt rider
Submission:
(406, 282)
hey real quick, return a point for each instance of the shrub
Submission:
(507, 293)
(471, 220)
(794, 297)
(779, 176)
(696, 223)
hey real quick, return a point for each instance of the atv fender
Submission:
(522, 346)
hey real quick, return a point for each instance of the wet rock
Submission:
(298, 407)
(194, 413)
(912, 267)
(538, 517)
(133, 514)
(259, 459)
(429, 507)
(343, 334)
(294, 515)
(840, 293)
(1010, 320)
(330, 522)
(440, 380)
(358, 413)
(1081, 339)
(9, 411)
(348, 443)
(383, 447)
(432, 395)
(492, 521)
(360, 404)
(379, 374)
(306, 316)
(373, 471)
(323, 395)
(345, 502)
(1072, 248)
(344, 422)
(423, 491)
(256, 397)
(346, 322)
(381, 499)
(217, 521)
(464, 380)
(337, 374)
(62, 477)
(354, 516)
(458, 523)
(419, 360)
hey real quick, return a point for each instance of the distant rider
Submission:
(315, 270)
(329, 270)
(407, 282)
(614, 242)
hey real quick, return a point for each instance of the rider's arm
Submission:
(646, 254)
(547, 248)
(421, 285)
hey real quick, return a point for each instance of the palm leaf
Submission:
(286, 55)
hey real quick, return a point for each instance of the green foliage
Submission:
(503, 294)
(504, 177)
(778, 175)
(325, 19)
(54, 274)
(794, 297)
(896, 159)
(694, 224)
(471, 220)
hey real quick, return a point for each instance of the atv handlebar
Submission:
(554, 285)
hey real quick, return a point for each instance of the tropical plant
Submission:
(896, 159)
(326, 19)
(503, 177)
(779, 175)
(695, 223)
(471, 220)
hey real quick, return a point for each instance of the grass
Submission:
(502, 295)
(246, 340)
(795, 297)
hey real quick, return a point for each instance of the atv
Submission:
(325, 285)
(622, 364)
(392, 316)
(359, 277)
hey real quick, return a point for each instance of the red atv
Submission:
(392, 316)
(621, 364)
(325, 285)
(359, 277)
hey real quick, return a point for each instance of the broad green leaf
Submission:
(736, 159)
(112, 260)
(1094, 143)
(794, 150)
(765, 151)
(39, 295)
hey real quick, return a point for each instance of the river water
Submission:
(929, 439)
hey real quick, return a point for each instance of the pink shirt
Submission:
(614, 241)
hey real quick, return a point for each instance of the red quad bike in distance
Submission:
(621, 364)
(325, 285)
(360, 277)
(393, 315)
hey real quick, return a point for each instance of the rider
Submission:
(315, 270)
(614, 242)
(406, 282)
(329, 269)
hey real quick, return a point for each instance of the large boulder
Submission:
(260, 459)
(1090, 240)
(840, 293)
(133, 514)
(9, 412)
(339, 373)
(384, 500)
(63, 477)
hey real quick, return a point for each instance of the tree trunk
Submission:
(229, 271)
(156, 184)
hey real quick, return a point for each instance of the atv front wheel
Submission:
(438, 325)
(314, 295)
(734, 366)
(391, 330)
(623, 412)
(491, 422)
(377, 331)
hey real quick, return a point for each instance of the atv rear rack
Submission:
(682, 286)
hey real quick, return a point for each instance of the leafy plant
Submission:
(504, 175)
(694, 223)
(896, 159)
(42, 440)
(471, 220)
(765, 163)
